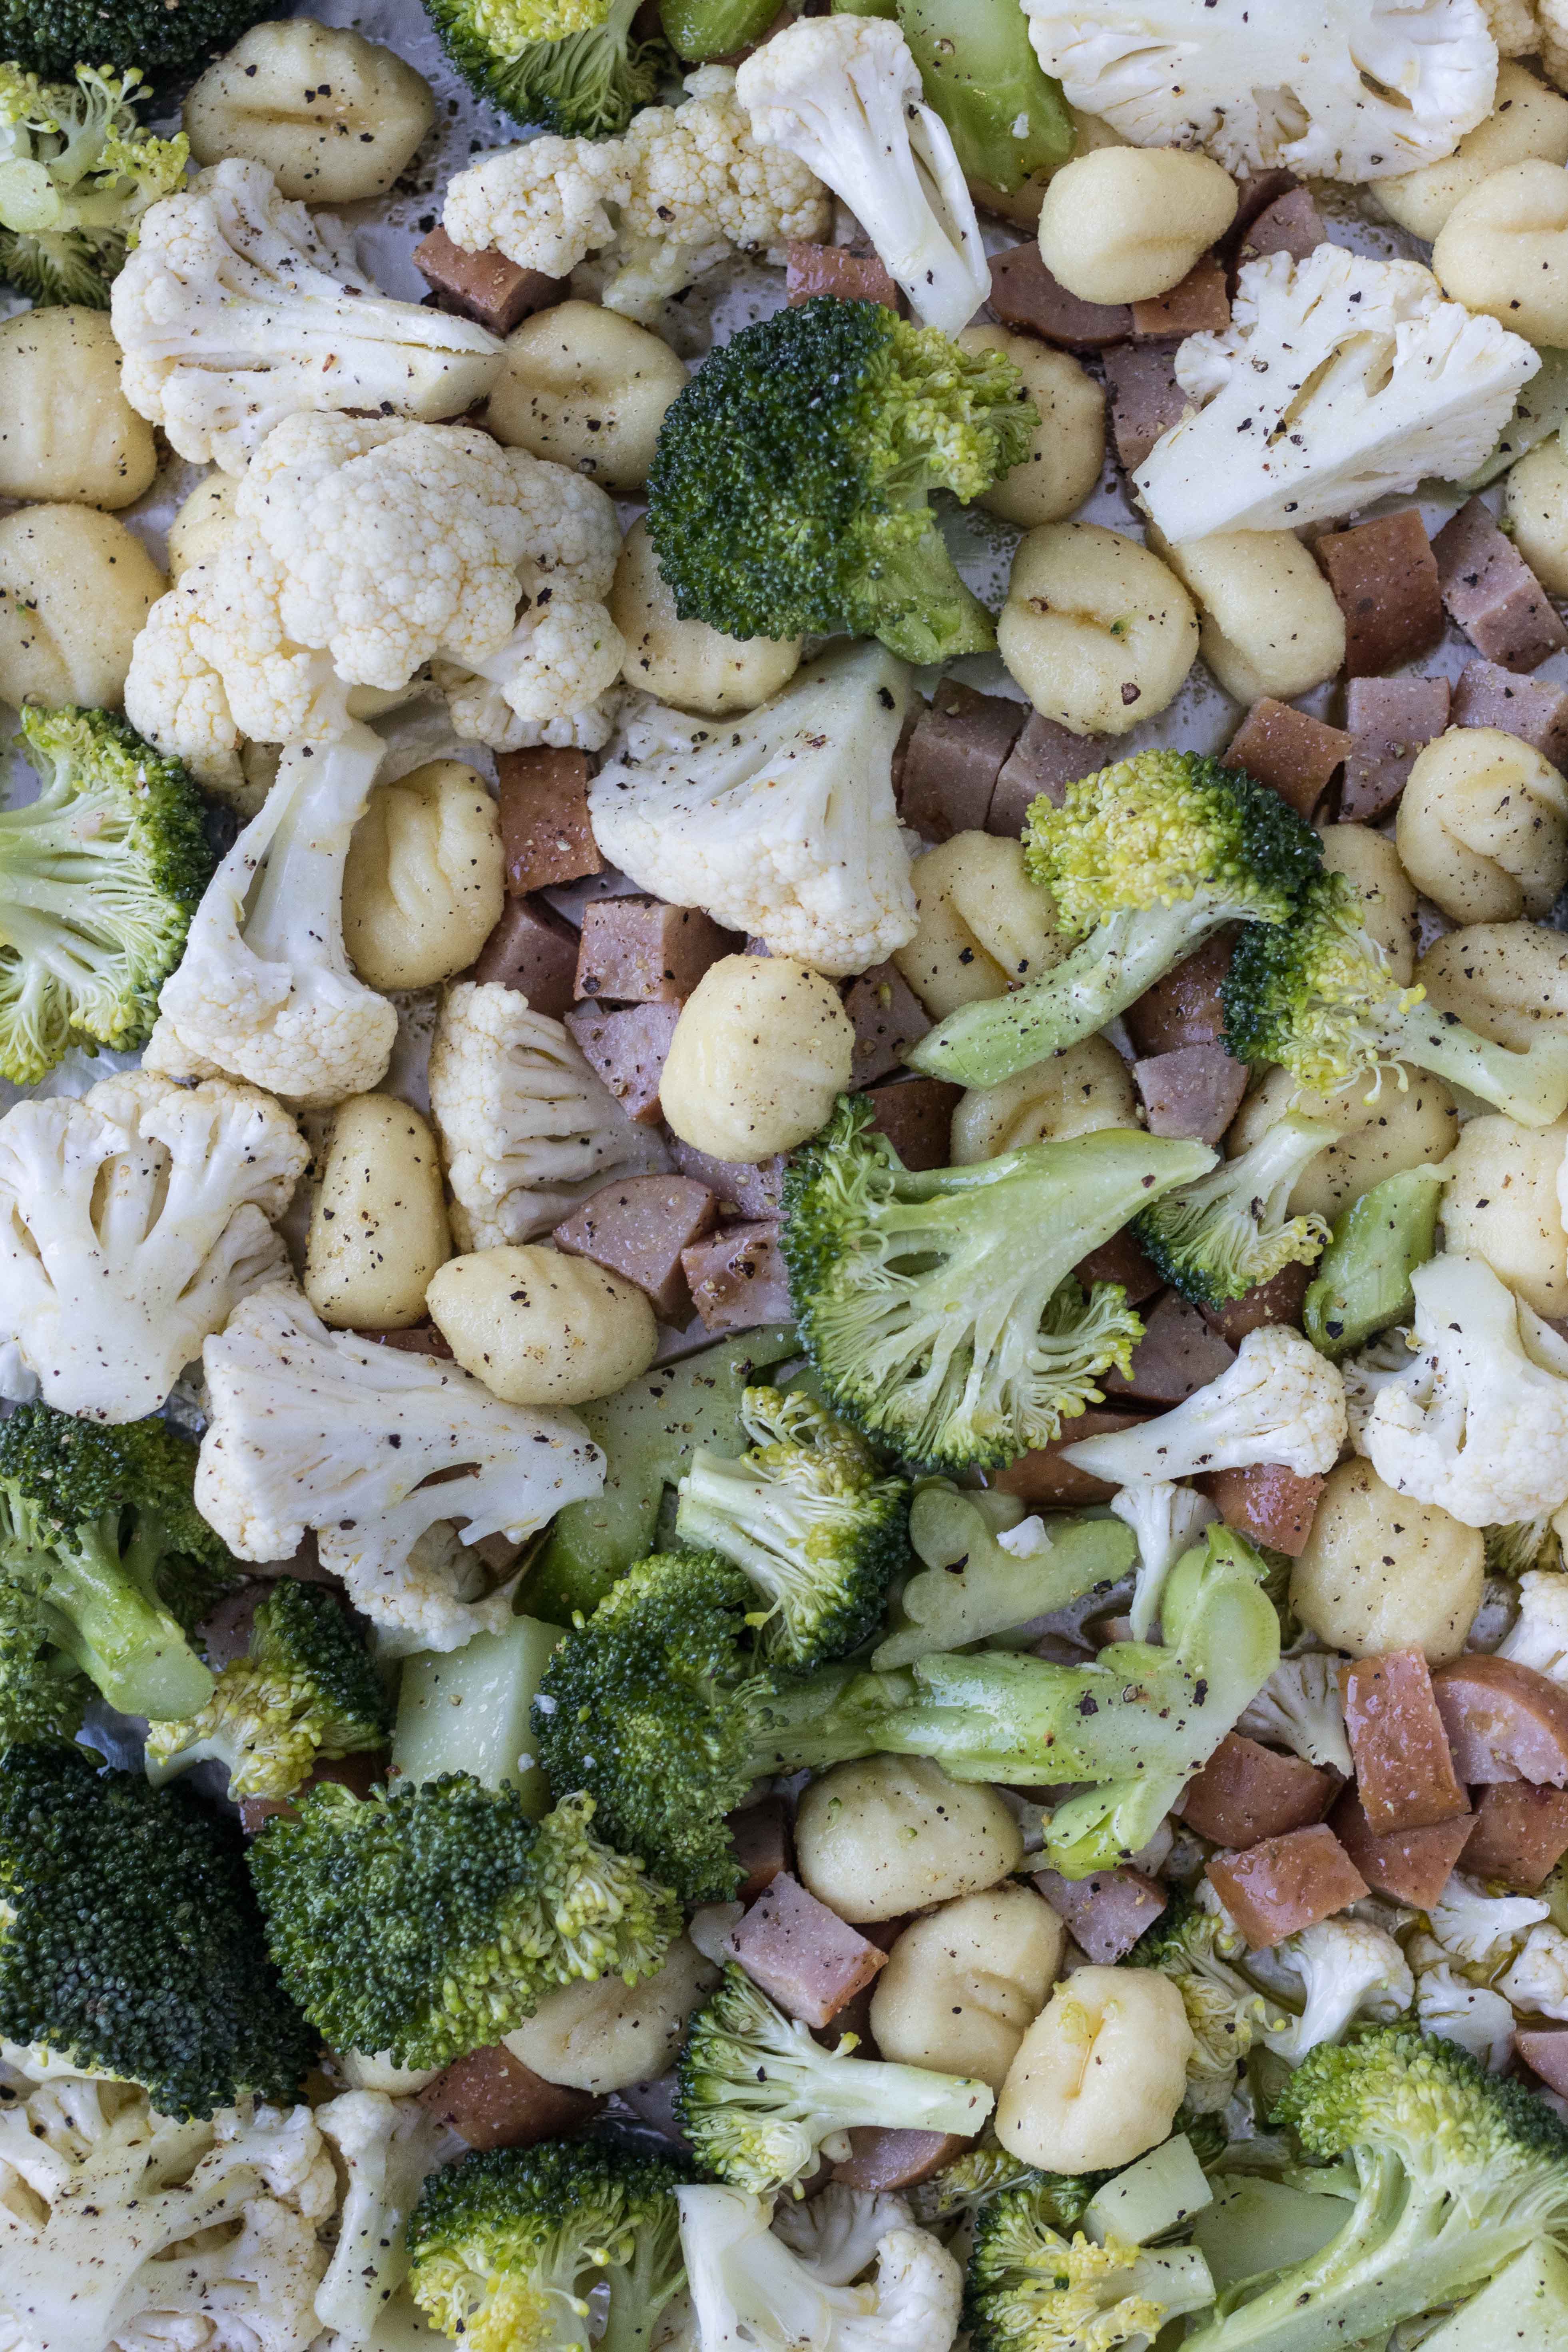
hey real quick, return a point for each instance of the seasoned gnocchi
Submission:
(604, 2036)
(684, 662)
(423, 887)
(541, 1327)
(1098, 631)
(335, 118)
(1503, 249)
(1400, 1127)
(1508, 982)
(894, 1833)
(67, 430)
(378, 1221)
(1380, 1571)
(1371, 862)
(1267, 620)
(963, 1985)
(1069, 448)
(587, 388)
(203, 522)
(75, 588)
(1085, 1086)
(983, 927)
(1527, 120)
(1502, 1206)
(1483, 825)
(1124, 224)
(761, 1051)
(1100, 2074)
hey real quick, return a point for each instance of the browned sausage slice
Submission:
(1105, 1914)
(812, 1963)
(1286, 1884)
(1246, 1793)
(1412, 1865)
(1544, 2048)
(492, 2100)
(1403, 1770)
(1520, 1834)
(885, 2160)
(1504, 1721)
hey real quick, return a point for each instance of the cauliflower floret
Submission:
(1343, 89)
(1482, 1430)
(1538, 1980)
(836, 2232)
(1339, 379)
(1390, 1360)
(1279, 1402)
(1167, 1520)
(1480, 1927)
(1299, 1707)
(131, 1223)
(1477, 2019)
(1554, 36)
(311, 1428)
(386, 2146)
(173, 695)
(527, 1130)
(237, 309)
(1539, 1635)
(781, 822)
(1512, 25)
(542, 204)
(747, 2287)
(1339, 1970)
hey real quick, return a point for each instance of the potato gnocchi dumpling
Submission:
(335, 118)
(424, 887)
(1409, 1126)
(1124, 224)
(1085, 1086)
(76, 587)
(761, 1053)
(1380, 1571)
(1267, 620)
(963, 1985)
(1371, 862)
(67, 430)
(378, 1221)
(204, 519)
(983, 928)
(587, 388)
(1502, 1206)
(1483, 825)
(1528, 119)
(1535, 507)
(1069, 448)
(1100, 2074)
(892, 1834)
(539, 1327)
(603, 2037)
(685, 662)
(1503, 249)
(1505, 981)
(1098, 631)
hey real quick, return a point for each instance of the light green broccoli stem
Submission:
(1215, 1239)
(105, 1615)
(1007, 118)
(1530, 1087)
(913, 599)
(696, 30)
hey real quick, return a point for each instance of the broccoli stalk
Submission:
(304, 1690)
(696, 30)
(1520, 1545)
(1318, 996)
(1362, 1283)
(575, 65)
(100, 878)
(758, 2096)
(789, 489)
(504, 2245)
(1027, 2287)
(76, 172)
(1007, 118)
(804, 1513)
(940, 1308)
(1217, 1238)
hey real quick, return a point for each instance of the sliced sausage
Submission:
(1504, 1721)
(628, 1050)
(1042, 1476)
(803, 1955)
(746, 1187)
(1043, 762)
(534, 950)
(1146, 401)
(760, 1834)
(811, 269)
(1520, 1834)
(1292, 224)
(1104, 1913)
(883, 2161)
(1246, 1793)
(1178, 1354)
(360, 1773)
(1268, 1503)
(1120, 1260)
(546, 837)
(640, 952)
(1273, 1890)
(1533, 708)
(1491, 593)
(1197, 304)
(916, 1117)
(738, 1278)
(954, 757)
(1280, 1300)
(1412, 1865)
(1294, 755)
(492, 2100)
(1196, 1091)
(1186, 1008)
(889, 1020)
(1384, 578)
(1404, 1774)
(1544, 2049)
(1024, 294)
(484, 285)
(638, 1228)
(1254, 197)
(413, 1339)
(1389, 720)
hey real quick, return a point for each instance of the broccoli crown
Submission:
(504, 2244)
(1027, 2288)
(804, 1513)
(132, 1944)
(1215, 1239)
(574, 66)
(940, 1309)
(162, 42)
(89, 173)
(1223, 2010)
(972, 2180)
(43, 1694)
(305, 1690)
(789, 490)
(1309, 994)
(650, 1704)
(99, 879)
(430, 1921)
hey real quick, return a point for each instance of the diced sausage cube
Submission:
(359, 1773)
(1491, 593)
(492, 2100)
(1389, 720)
(1404, 1774)
(1292, 224)
(1544, 2050)
(223, 1634)
(640, 952)
(954, 757)
(1280, 1300)
(1178, 1354)
(1295, 756)
(746, 1187)
(1384, 578)
(888, 1019)
(546, 837)
(1246, 1793)
(1120, 1260)
(811, 269)
(1104, 1913)
(1198, 304)
(1044, 761)
(534, 950)
(1146, 401)
(484, 285)
(638, 1228)
(1412, 1865)
(1042, 1476)
(884, 2161)
(1195, 1091)
(916, 1117)
(1531, 707)
(413, 1339)
(1186, 1008)
(1267, 1503)
(628, 1050)
(760, 1834)
(1254, 197)
(1024, 294)
(1504, 1721)
(1275, 1889)
(1520, 1834)
(803, 1955)
(738, 1278)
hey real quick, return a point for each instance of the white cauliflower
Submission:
(836, 2232)
(116, 2222)
(236, 308)
(844, 94)
(1390, 1361)
(1477, 2019)
(1299, 1707)
(1342, 89)
(527, 1129)
(1553, 38)
(781, 822)
(1539, 1634)
(265, 989)
(1478, 1927)
(1339, 1970)
(1538, 1980)
(386, 2148)
(748, 2289)
(132, 1221)
(543, 204)
(1339, 380)
(1167, 1520)
(1483, 1430)
(1279, 1402)
(311, 1428)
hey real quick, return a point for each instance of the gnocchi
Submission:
(981, 927)
(75, 588)
(1483, 825)
(963, 1985)
(424, 884)
(1085, 1086)
(1535, 507)
(1268, 623)
(541, 1327)
(1124, 224)
(604, 2036)
(761, 1051)
(1503, 980)
(1064, 458)
(1100, 2073)
(893, 1834)
(585, 387)
(1400, 1128)
(1380, 1571)
(1527, 120)
(378, 1221)
(1503, 249)
(1098, 631)
(1502, 1206)
(684, 662)
(335, 118)
(1369, 861)
(203, 522)
(67, 430)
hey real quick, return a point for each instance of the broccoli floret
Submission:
(131, 1943)
(48, 36)
(505, 2246)
(806, 1517)
(575, 65)
(1458, 2173)
(429, 1922)
(758, 2096)
(304, 1690)
(43, 1694)
(1520, 1545)
(1143, 861)
(789, 490)
(1215, 1239)
(961, 2188)
(1317, 995)
(1030, 2289)
(1192, 1947)
(77, 173)
(1007, 118)
(941, 1308)
(99, 1528)
(99, 879)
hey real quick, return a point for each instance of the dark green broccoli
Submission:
(1458, 2173)
(1217, 1238)
(1029, 2288)
(304, 1690)
(1317, 995)
(789, 491)
(1008, 119)
(960, 2189)
(431, 1921)
(131, 1943)
(162, 42)
(575, 65)
(1143, 861)
(79, 173)
(940, 1310)
(758, 2096)
(506, 2246)
(99, 1530)
(807, 1518)
(99, 879)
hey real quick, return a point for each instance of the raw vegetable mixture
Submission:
(784, 1454)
